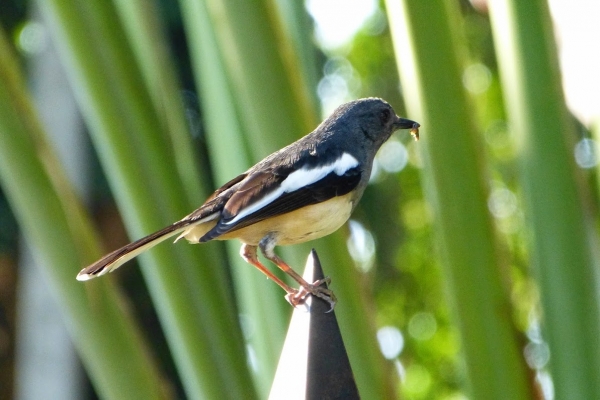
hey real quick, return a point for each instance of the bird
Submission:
(302, 192)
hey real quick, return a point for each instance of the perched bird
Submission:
(302, 192)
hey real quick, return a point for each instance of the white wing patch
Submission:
(299, 179)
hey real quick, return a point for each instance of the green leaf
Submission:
(426, 36)
(60, 233)
(188, 285)
(563, 239)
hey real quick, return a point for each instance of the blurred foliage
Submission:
(12, 13)
(406, 280)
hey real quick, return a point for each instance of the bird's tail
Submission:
(114, 260)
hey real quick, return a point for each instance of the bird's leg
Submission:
(267, 245)
(248, 253)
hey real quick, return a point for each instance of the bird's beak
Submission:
(403, 123)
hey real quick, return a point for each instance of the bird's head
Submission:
(374, 119)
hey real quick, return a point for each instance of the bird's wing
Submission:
(285, 187)
(253, 196)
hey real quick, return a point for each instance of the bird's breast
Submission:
(302, 225)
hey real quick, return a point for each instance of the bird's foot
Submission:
(299, 296)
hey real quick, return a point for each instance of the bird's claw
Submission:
(299, 296)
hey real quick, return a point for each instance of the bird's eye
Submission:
(384, 116)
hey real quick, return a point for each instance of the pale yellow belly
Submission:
(302, 225)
